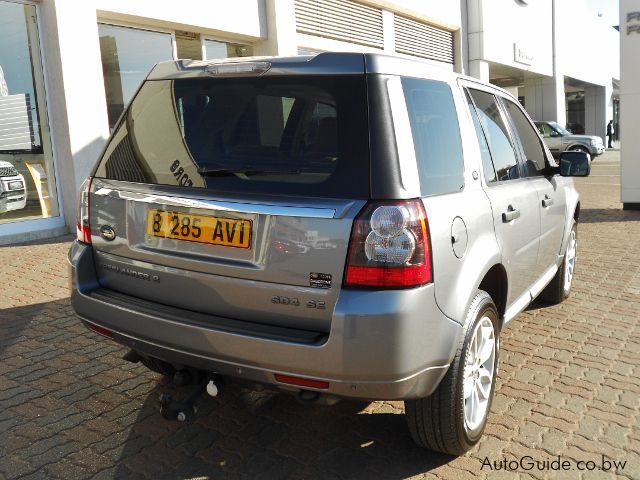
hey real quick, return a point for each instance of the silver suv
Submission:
(342, 225)
(13, 192)
(559, 140)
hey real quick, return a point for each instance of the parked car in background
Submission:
(559, 140)
(437, 214)
(13, 193)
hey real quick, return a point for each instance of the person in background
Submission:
(610, 133)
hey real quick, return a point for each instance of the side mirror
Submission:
(575, 164)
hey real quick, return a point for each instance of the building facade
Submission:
(68, 69)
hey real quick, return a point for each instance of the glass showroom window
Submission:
(27, 181)
(127, 56)
(214, 50)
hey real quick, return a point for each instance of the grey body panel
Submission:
(412, 338)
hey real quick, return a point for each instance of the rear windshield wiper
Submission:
(221, 172)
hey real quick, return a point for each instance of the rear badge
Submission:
(320, 280)
(108, 233)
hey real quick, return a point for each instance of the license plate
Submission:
(226, 232)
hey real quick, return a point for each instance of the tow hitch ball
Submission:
(186, 410)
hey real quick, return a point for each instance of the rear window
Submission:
(295, 135)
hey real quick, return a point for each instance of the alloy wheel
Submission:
(479, 374)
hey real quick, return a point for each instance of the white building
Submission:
(557, 56)
(630, 98)
(78, 63)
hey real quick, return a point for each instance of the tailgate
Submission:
(234, 196)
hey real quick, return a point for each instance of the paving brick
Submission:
(569, 384)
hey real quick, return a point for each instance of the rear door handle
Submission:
(547, 202)
(510, 215)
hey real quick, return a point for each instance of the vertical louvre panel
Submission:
(422, 40)
(16, 126)
(342, 20)
(123, 165)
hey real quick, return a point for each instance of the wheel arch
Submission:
(580, 146)
(495, 282)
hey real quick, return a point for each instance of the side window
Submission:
(487, 162)
(534, 153)
(436, 135)
(504, 157)
(542, 129)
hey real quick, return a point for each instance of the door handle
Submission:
(510, 215)
(547, 202)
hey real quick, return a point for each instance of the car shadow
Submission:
(608, 215)
(233, 437)
(70, 383)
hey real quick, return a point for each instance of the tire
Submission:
(559, 288)
(442, 421)
(158, 366)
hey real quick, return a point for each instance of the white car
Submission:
(13, 193)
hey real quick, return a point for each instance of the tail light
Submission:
(390, 246)
(83, 228)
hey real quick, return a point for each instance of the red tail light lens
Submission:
(390, 246)
(83, 228)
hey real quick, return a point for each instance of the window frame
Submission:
(468, 95)
(57, 223)
(146, 28)
(469, 85)
(522, 158)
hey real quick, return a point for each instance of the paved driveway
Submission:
(569, 385)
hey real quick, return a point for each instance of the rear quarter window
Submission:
(436, 135)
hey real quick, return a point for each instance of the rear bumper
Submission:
(381, 345)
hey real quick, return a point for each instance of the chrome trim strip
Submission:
(259, 209)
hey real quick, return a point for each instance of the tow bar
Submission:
(187, 408)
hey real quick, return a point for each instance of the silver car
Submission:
(340, 225)
(559, 140)
(13, 191)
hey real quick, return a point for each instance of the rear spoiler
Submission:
(330, 63)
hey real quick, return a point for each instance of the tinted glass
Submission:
(302, 135)
(487, 163)
(502, 152)
(543, 129)
(436, 135)
(534, 154)
(128, 54)
(216, 50)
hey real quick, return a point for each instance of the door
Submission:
(513, 198)
(551, 195)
